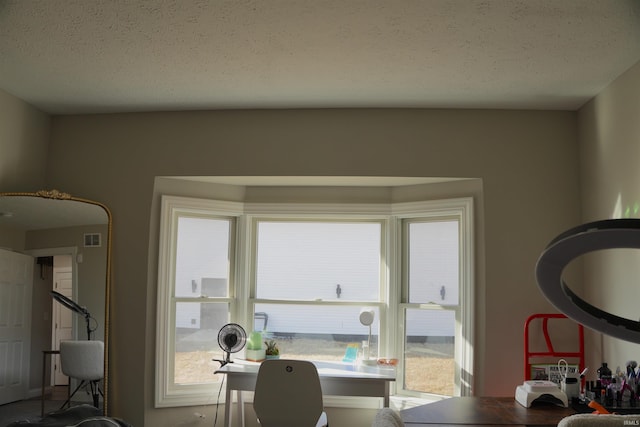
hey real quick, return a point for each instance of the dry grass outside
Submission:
(429, 367)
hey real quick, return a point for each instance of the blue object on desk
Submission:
(351, 354)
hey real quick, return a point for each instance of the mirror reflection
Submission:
(51, 244)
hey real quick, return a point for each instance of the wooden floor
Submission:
(31, 409)
(60, 392)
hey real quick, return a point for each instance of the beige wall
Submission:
(527, 161)
(609, 128)
(24, 139)
(11, 239)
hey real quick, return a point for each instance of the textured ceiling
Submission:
(87, 56)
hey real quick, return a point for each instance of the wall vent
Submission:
(92, 240)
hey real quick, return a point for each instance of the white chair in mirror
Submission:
(84, 361)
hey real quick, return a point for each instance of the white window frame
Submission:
(241, 295)
(167, 393)
(462, 211)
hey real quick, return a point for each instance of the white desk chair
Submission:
(83, 360)
(288, 394)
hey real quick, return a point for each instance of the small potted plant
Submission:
(272, 351)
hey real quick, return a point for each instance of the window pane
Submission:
(315, 332)
(433, 262)
(310, 261)
(429, 351)
(202, 257)
(197, 326)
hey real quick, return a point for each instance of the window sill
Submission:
(406, 402)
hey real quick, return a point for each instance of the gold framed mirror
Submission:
(51, 241)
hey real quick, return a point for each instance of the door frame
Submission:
(57, 377)
(73, 252)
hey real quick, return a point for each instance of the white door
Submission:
(62, 320)
(16, 286)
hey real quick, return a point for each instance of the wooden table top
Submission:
(485, 411)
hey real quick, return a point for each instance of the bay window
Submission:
(301, 275)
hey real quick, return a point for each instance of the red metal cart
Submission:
(550, 353)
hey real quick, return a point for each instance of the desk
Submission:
(487, 411)
(336, 379)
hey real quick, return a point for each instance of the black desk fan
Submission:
(231, 339)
